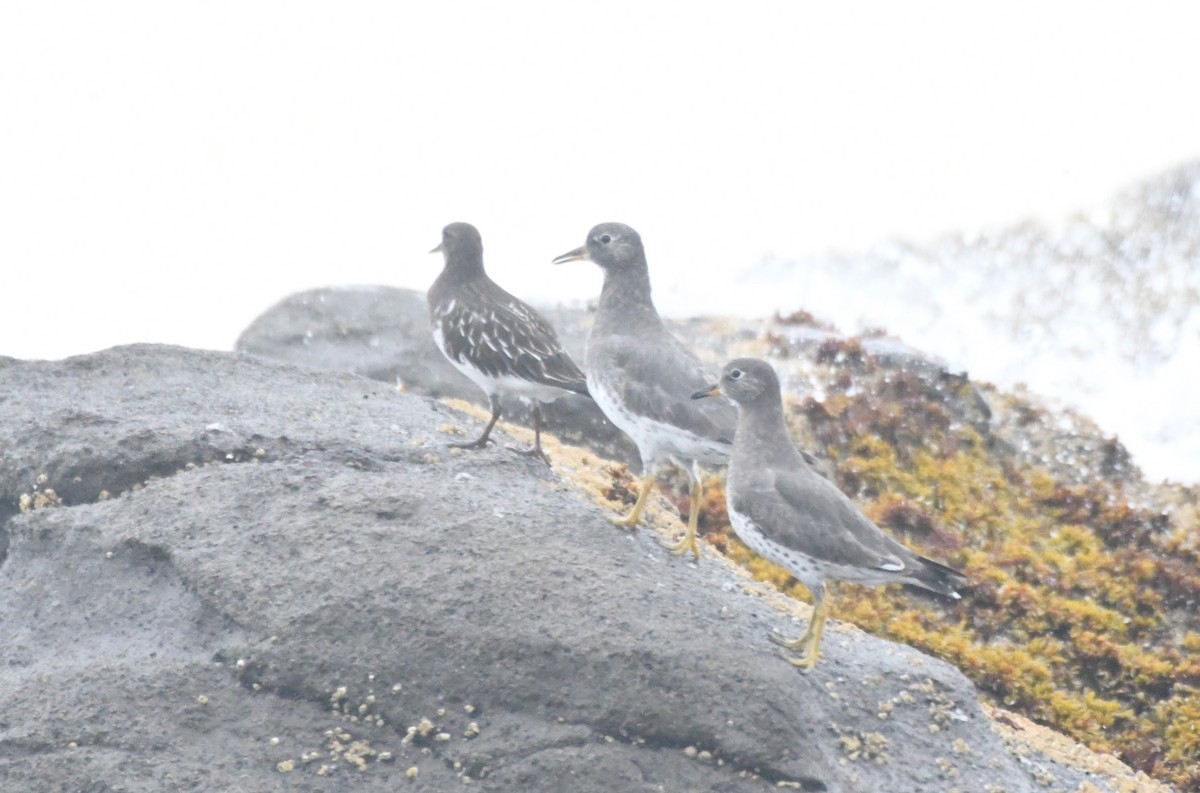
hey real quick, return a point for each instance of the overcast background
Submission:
(170, 170)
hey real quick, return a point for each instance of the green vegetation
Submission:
(1082, 614)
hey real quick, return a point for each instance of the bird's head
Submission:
(460, 242)
(745, 381)
(612, 246)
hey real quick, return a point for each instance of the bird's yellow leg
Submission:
(810, 642)
(688, 543)
(630, 521)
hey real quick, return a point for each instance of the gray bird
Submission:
(792, 516)
(642, 377)
(500, 343)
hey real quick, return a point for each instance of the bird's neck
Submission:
(461, 272)
(468, 268)
(765, 421)
(625, 303)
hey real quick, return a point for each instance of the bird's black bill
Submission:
(577, 255)
(712, 390)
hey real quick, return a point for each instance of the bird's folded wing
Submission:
(507, 337)
(807, 513)
(657, 377)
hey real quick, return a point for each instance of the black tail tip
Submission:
(943, 580)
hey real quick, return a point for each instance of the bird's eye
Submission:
(605, 239)
(736, 374)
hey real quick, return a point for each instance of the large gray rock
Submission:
(383, 333)
(239, 575)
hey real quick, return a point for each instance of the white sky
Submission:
(169, 170)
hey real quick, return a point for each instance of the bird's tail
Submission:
(937, 577)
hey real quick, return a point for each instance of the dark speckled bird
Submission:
(792, 516)
(497, 341)
(642, 377)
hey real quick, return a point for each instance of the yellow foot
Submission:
(791, 644)
(804, 663)
(630, 521)
(810, 643)
(688, 543)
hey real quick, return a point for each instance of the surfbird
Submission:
(500, 343)
(790, 515)
(641, 376)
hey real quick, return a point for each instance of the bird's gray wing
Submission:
(807, 513)
(501, 335)
(656, 377)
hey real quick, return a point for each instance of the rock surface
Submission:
(241, 575)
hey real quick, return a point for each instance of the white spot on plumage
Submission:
(510, 384)
(808, 571)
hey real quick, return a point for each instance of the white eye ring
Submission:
(736, 374)
(605, 239)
